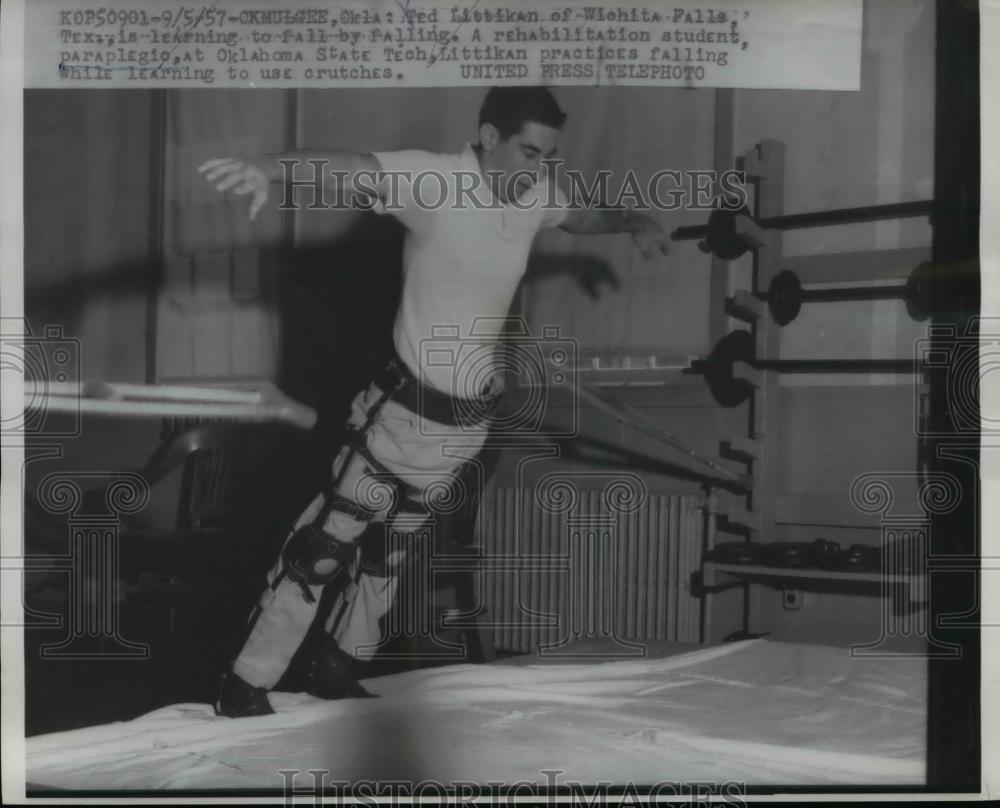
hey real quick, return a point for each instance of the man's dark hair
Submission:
(510, 108)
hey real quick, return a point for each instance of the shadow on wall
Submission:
(337, 302)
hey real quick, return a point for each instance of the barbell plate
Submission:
(718, 368)
(723, 238)
(784, 297)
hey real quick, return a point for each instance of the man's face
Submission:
(517, 158)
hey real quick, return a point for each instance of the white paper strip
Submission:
(766, 44)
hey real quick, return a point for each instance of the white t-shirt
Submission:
(463, 257)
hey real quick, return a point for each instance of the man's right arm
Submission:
(336, 169)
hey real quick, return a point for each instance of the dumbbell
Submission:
(720, 238)
(785, 295)
(738, 346)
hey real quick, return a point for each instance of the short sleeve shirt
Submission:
(464, 255)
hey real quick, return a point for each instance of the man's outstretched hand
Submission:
(651, 240)
(241, 177)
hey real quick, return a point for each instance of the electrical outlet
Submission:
(792, 599)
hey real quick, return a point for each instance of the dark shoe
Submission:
(240, 699)
(330, 674)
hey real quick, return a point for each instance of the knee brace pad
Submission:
(312, 557)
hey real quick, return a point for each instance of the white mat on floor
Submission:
(756, 712)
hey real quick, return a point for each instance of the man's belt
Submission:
(431, 403)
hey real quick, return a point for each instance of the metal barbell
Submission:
(721, 237)
(738, 346)
(785, 294)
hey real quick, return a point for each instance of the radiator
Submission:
(589, 569)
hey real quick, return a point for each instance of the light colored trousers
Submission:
(421, 454)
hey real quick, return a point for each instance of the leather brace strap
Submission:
(335, 501)
(432, 404)
(359, 445)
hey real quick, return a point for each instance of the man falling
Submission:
(470, 220)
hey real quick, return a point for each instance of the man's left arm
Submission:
(649, 236)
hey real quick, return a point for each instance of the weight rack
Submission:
(754, 515)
